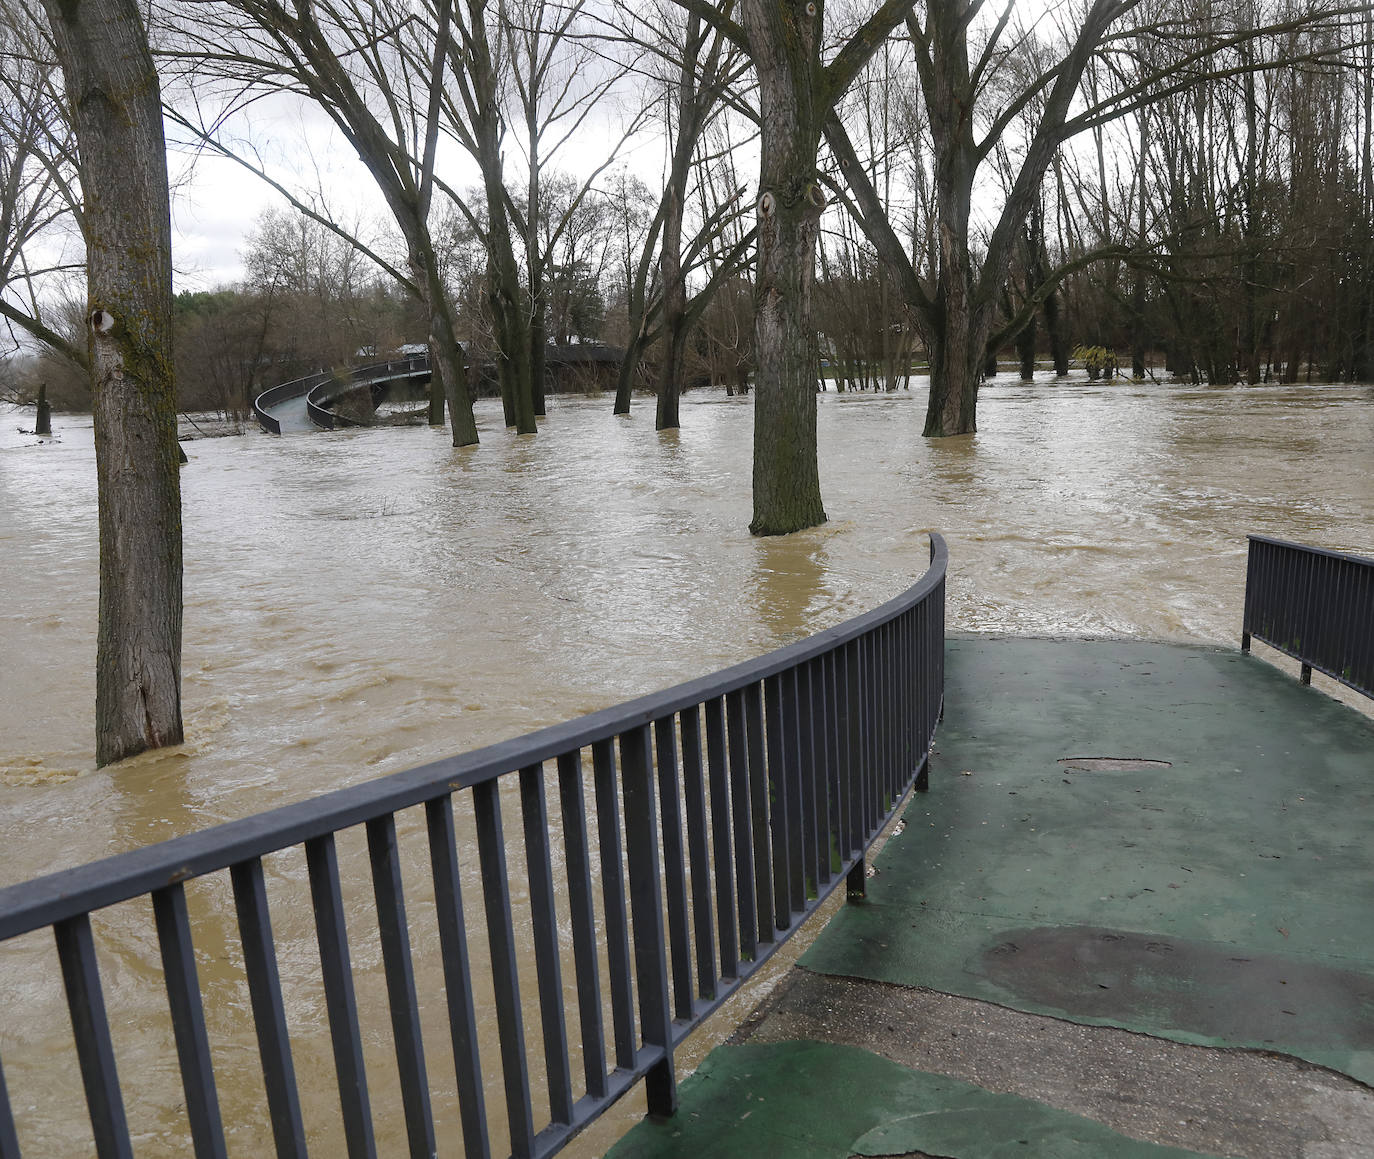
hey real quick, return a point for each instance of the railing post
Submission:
(856, 881)
(646, 910)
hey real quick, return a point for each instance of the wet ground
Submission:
(1135, 899)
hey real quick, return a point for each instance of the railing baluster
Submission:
(853, 694)
(824, 772)
(9, 1138)
(613, 902)
(642, 849)
(188, 1020)
(94, 1049)
(269, 1013)
(780, 792)
(336, 968)
(698, 851)
(855, 775)
(721, 850)
(758, 803)
(796, 759)
(544, 915)
(453, 947)
(400, 984)
(579, 867)
(674, 875)
(505, 975)
(740, 825)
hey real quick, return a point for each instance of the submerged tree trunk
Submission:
(42, 423)
(784, 39)
(675, 316)
(448, 376)
(113, 91)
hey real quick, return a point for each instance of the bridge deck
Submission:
(1053, 950)
(292, 416)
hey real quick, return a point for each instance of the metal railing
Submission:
(280, 393)
(1314, 605)
(320, 399)
(725, 810)
(318, 395)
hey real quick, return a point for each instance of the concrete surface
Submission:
(1131, 917)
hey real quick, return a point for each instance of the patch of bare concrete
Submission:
(1250, 1104)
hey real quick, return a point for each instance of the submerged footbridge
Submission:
(314, 401)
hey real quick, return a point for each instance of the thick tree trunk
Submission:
(504, 293)
(448, 378)
(957, 350)
(784, 39)
(113, 91)
(670, 376)
(956, 357)
(787, 488)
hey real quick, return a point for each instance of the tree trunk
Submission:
(1025, 349)
(675, 316)
(42, 423)
(448, 377)
(504, 293)
(784, 40)
(113, 92)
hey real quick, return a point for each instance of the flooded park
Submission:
(361, 602)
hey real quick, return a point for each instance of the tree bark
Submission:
(675, 316)
(784, 41)
(113, 91)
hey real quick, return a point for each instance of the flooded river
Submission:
(360, 602)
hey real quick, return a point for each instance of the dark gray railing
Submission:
(726, 809)
(322, 388)
(280, 393)
(1314, 605)
(320, 399)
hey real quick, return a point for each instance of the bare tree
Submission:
(379, 75)
(114, 97)
(959, 305)
(41, 253)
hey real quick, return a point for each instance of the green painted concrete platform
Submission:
(1176, 841)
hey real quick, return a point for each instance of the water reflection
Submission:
(789, 581)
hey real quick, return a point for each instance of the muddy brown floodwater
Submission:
(364, 601)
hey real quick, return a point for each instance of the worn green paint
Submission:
(1238, 879)
(813, 1100)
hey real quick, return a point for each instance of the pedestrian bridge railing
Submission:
(689, 834)
(1314, 605)
(320, 398)
(325, 387)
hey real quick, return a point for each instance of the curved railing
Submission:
(280, 393)
(725, 809)
(323, 389)
(319, 400)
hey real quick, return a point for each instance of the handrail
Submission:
(740, 800)
(319, 399)
(412, 365)
(279, 393)
(1314, 605)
